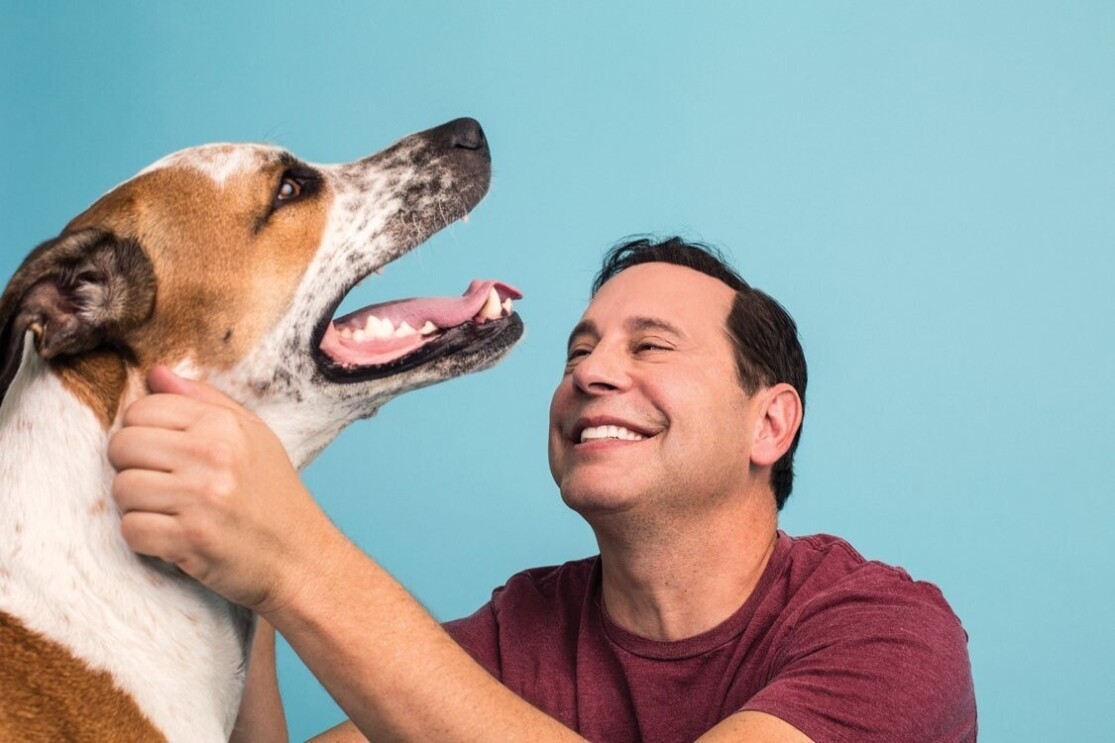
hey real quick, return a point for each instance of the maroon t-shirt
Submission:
(842, 648)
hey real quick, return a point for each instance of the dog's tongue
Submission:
(384, 332)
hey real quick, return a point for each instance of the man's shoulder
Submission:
(550, 583)
(837, 592)
(825, 564)
(831, 550)
(880, 652)
(531, 609)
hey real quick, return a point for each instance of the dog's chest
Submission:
(66, 573)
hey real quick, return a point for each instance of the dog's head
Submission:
(227, 263)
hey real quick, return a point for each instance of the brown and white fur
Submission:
(225, 262)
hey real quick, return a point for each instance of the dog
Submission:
(227, 263)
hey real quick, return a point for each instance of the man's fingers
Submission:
(169, 411)
(154, 534)
(159, 449)
(178, 403)
(138, 491)
(162, 379)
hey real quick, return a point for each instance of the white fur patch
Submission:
(66, 572)
(218, 161)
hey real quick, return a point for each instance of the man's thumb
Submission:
(162, 379)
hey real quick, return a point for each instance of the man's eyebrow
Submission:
(632, 325)
(644, 324)
(584, 327)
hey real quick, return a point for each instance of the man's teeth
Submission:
(609, 432)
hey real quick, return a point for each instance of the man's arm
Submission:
(346, 732)
(392, 668)
(261, 718)
(205, 485)
(754, 726)
(742, 726)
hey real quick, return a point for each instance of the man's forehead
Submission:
(662, 295)
(662, 290)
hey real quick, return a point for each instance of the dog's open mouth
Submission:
(386, 337)
(446, 336)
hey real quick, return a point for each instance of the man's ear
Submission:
(79, 291)
(780, 417)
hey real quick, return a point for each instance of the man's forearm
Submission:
(389, 664)
(233, 514)
(261, 718)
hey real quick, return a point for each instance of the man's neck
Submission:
(670, 581)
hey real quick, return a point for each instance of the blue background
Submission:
(926, 186)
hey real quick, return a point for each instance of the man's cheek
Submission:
(556, 456)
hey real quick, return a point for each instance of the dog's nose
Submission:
(465, 133)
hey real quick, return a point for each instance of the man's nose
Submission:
(603, 370)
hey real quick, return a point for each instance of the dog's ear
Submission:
(74, 293)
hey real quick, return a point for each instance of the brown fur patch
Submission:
(47, 694)
(223, 279)
(226, 271)
(97, 379)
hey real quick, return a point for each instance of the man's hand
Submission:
(204, 484)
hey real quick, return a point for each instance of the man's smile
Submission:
(595, 433)
(600, 429)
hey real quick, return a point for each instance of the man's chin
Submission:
(594, 500)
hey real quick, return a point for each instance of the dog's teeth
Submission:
(345, 332)
(506, 306)
(358, 334)
(378, 271)
(491, 308)
(405, 330)
(377, 328)
(428, 328)
(464, 218)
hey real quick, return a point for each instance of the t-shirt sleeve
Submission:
(878, 657)
(479, 635)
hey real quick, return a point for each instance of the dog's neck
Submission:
(66, 572)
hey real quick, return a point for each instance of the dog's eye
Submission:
(296, 183)
(289, 189)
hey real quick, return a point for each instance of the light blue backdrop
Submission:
(927, 186)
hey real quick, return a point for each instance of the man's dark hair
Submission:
(764, 335)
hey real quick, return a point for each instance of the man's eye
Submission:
(576, 354)
(651, 346)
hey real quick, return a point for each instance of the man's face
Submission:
(650, 412)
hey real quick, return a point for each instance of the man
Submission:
(672, 433)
